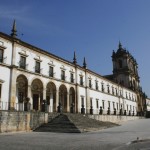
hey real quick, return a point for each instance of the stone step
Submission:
(72, 123)
(60, 130)
(60, 123)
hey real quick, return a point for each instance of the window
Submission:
(97, 105)
(62, 75)
(102, 87)
(37, 67)
(132, 97)
(121, 105)
(20, 97)
(113, 105)
(130, 108)
(22, 62)
(108, 89)
(117, 105)
(71, 78)
(90, 84)
(51, 71)
(116, 92)
(81, 80)
(127, 107)
(112, 90)
(96, 85)
(103, 103)
(129, 96)
(120, 63)
(126, 95)
(82, 100)
(109, 104)
(120, 93)
(1, 55)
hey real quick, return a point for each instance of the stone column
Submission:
(57, 99)
(68, 107)
(12, 89)
(44, 93)
(44, 103)
(78, 101)
(30, 97)
(51, 103)
(75, 103)
(87, 101)
(12, 84)
(39, 104)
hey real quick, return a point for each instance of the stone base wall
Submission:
(11, 121)
(114, 118)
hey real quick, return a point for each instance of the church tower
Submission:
(125, 69)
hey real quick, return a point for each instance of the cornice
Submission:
(34, 48)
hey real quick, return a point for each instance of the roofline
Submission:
(10, 38)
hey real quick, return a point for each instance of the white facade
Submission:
(147, 104)
(21, 82)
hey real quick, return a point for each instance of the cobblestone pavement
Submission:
(115, 138)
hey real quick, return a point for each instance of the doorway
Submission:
(35, 101)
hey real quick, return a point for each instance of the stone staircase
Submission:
(85, 124)
(72, 123)
(61, 123)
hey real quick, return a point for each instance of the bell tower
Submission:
(125, 69)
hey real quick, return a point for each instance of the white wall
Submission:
(59, 65)
(5, 76)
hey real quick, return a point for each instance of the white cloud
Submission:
(7, 12)
(21, 14)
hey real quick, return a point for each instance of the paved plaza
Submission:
(115, 138)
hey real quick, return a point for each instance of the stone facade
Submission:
(114, 118)
(11, 121)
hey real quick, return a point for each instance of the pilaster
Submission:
(12, 89)
(57, 99)
(30, 96)
(68, 107)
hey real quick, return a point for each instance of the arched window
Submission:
(120, 63)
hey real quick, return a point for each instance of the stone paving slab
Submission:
(116, 138)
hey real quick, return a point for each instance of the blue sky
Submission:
(92, 28)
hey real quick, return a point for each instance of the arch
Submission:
(36, 78)
(21, 90)
(63, 97)
(51, 97)
(72, 102)
(37, 93)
